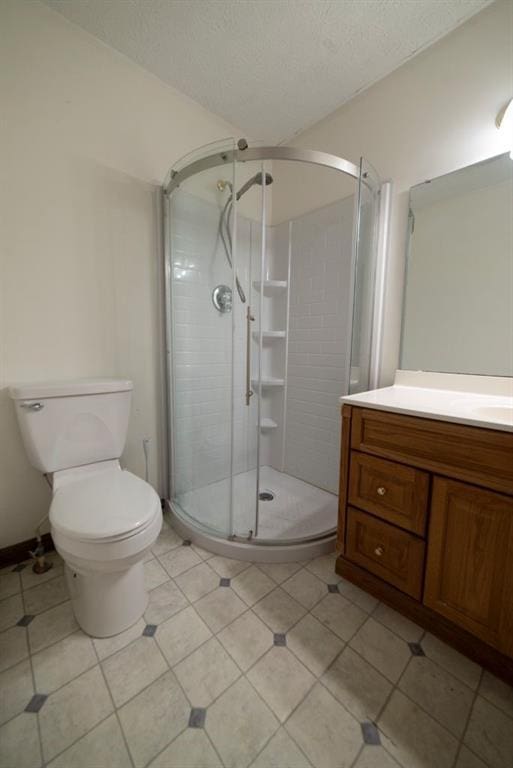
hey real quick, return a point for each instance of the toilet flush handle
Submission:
(32, 406)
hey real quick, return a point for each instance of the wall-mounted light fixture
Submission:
(504, 122)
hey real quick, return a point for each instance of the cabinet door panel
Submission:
(469, 575)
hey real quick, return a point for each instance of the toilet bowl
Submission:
(103, 519)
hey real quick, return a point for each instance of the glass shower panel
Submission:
(248, 263)
(366, 218)
(204, 311)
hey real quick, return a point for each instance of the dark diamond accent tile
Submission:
(370, 733)
(149, 630)
(25, 620)
(280, 639)
(332, 588)
(197, 717)
(416, 649)
(224, 582)
(36, 702)
(186, 543)
(19, 567)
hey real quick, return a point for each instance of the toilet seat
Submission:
(107, 506)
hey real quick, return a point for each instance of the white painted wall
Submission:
(86, 136)
(458, 304)
(431, 116)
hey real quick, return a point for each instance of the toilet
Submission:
(103, 519)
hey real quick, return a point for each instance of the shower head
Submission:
(256, 179)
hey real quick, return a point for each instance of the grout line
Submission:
(43, 761)
(471, 709)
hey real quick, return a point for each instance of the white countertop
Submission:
(481, 401)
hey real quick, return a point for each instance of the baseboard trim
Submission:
(16, 553)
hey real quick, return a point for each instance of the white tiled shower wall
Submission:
(202, 344)
(318, 342)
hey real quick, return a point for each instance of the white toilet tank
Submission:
(71, 423)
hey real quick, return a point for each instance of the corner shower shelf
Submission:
(268, 382)
(266, 423)
(270, 334)
(270, 286)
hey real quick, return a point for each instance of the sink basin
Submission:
(502, 413)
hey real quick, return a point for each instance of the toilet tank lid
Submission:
(45, 389)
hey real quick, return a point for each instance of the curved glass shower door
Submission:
(215, 255)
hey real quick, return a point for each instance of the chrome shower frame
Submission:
(243, 154)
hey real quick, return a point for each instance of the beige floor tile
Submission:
(103, 747)
(246, 639)
(167, 540)
(399, 624)
(181, 634)
(16, 690)
(306, 588)
(13, 647)
(179, 560)
(413, 737)
(30, 579)
(72, 711)
(458, 665)
(279, 572)
(164, 602)
(220, 608)
(281, 752)
(375, 757)
(314, 644)
(498, 692)
(206, 673)
(467, 759)
(341, 616)
(61, 662)
(11, 610)
(133, 668)
(239, 724)
(324, 568)
(154, 574)
(9, 583)
(357, 685)
(41, 598)
(198, 581)
(490, 734)
(279, 610)
(358, 596)
(191, 749)
(154, 718)
(19, 742)
(51, 626)
(445, 698)
(381, 648)
(252, 585)
(106, 646)
(227, 567)
(325, 731)
(281, 680)
(204, 554)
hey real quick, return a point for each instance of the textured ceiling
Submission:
(271, 67)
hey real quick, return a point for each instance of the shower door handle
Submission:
(249, 320)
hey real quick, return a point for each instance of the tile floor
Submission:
(283, 666)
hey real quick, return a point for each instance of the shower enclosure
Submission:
(270, 265)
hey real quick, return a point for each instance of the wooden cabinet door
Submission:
(469, 574)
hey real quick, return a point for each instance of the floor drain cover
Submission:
(266, 495)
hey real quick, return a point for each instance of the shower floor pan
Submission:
(299, 522)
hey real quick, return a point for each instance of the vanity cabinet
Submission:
(426, 525)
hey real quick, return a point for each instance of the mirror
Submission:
(458, 303)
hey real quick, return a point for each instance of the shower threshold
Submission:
(297, 523)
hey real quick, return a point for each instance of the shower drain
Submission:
(266, 495)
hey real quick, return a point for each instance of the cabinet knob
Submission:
(379, 551)
(381, 490)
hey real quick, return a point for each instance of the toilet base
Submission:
(106, 603)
